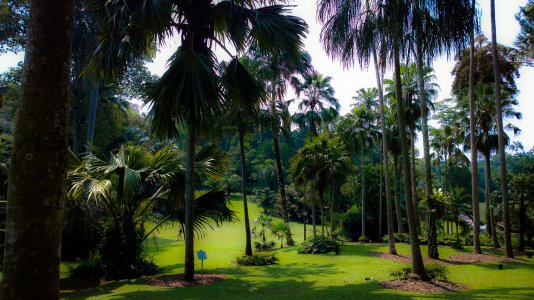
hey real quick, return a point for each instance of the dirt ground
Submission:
(177, 280)
(422, 286)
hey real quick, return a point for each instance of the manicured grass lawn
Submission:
(303, 276)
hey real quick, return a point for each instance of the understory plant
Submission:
(259, 259)
(319, 245)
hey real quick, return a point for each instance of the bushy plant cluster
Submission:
(399, 238)
(434, 271)
(319, 245)
(260, 259)
(262, 246)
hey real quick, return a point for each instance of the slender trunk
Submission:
(385, 158)
(418, 267)
(380, 201)
(429, 195)
(363, 189)
(92, 117)
(491, 226)
(38, 172)
(280, 175)
(457, 234)
(413, 174)
(472, 129)
(248, 242)
(321, 197)
(189, 272)
(522, 221)
(502, 141)
(332, 202)
(398, 208)
(314, 221)
(75, 132)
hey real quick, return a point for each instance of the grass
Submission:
(302, 276)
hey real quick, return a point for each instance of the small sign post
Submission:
(201, 254)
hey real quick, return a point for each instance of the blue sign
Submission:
(202, 255)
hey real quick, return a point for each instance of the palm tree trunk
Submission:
(418, 267)
(189, 266)
(321, 196)
(474, 156)
(363, 189)
(398, 208)
(248, 242)
(280, 175)
(413, 174)
(502, 142)
(38, 171)
(380, 201)
(385, 158)
(314, 221)
(92, 117)
(332, 202)
(431, 206)
(491, 225)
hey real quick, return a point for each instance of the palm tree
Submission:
(351, 30)
(130, 183)
(37, 178)
(189, 93)
(318, 163)
(500, 134)
(318, 96)
(243, 113)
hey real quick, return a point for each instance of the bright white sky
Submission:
(346, 82)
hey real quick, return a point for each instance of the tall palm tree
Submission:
(500, 134)
(243, 113)
(189, 93)
(350, 32)
(318, 95)
(37, 177)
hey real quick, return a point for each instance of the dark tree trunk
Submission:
(332, 203)
(248, 242)
(429, 194)
(38, 172)
(363, 189)
(380, 201)
(502, 141)
(189, 273)
(413, 174)
(522, 221)
(280, 175)
(398, 208)
(418, 267)
(472, 129)
(491, 224)
(321, 197)
(314, 221)
(92, 118)
(385, 158)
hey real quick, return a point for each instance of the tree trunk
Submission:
(189, 272)
(502, 141)
(38, 172)
(398, 208)
(491, 224)
(332, 202)
(380, 201)
(413, 174)
(248, 238)
(314, 221)
(280, 175)
(418, 267)
(92, 118)
(363, 189)
(321, 197)
(522, 221)
(472, 129)
(385, 158)
(429, 194)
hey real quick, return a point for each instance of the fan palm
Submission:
(132, 182)
(189, 93)
(318, 96)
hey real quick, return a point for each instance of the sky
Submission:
(347, 82)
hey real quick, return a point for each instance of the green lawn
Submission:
(303, 276)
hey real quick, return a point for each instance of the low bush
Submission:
(260, 259)
(399, 238)
(262, 246)
(434, 271)
(319, 245)
(363, 239)
(457, 245)
(91, 268)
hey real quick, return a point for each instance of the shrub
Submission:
(363, 239)
(399, 238)
(262, 246)
(457, 245)
(91, 268)
(260, 259)
(319, 245)
(434, 271)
